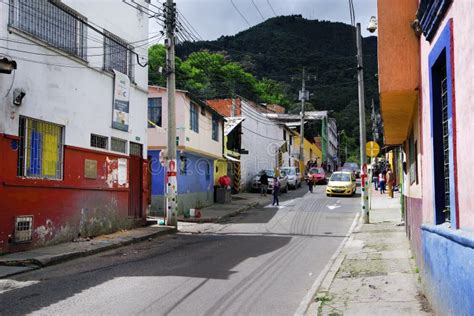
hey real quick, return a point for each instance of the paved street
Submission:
(261, 262)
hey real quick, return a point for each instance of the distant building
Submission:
(199, 135)
(426, 75)
(72, 131)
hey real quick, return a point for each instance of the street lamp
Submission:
(363, 137)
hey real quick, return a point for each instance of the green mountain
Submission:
(280, 47)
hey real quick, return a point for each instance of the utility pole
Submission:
(303, 95)
(171, 166)
(363, 138)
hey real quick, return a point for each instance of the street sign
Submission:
(372, 149)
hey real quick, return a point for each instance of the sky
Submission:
(214, 18)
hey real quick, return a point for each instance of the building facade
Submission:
(72, 136)
(264, 142)
(199, 133)
(425, 72)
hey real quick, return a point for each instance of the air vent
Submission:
(23, 229)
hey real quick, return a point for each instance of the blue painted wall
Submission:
(198, 177)
(448, 272)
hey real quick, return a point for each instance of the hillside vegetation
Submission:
(265, 62)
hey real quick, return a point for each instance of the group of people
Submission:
(275, 189)
(384, 181)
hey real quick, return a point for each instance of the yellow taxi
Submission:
(341, 183)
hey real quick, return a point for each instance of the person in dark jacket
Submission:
(263, 184)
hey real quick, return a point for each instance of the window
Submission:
(136, 149)
(40, 150)
(413, 154)
(98, 141)
(117, 55)
(215, 128)
(118, 145)
(194, 118)
(154, 112)
(183, 167)
(52, 22)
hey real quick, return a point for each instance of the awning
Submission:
(231, 123)
(231, 158)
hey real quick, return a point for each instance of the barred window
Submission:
(117, 55)
(118, 145)
(41, 149)
(52, 22)
(194, 118)
(135, 149)
(99, 141)
(215, 128)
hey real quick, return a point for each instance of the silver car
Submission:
(294, 176)
(271, 174)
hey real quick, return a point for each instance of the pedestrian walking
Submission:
(276, 191)
(263, 184)
(390, 181)
(309, 181)
(382, 182)
(375, 180)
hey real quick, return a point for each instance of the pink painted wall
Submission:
(463, 27)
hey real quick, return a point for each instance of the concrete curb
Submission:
(220, 218)
(49, 260)
(327, 275)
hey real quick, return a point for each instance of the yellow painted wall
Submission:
(220, 169)
(311, 151)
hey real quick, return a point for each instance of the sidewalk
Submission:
(375, 273)
(19, 262)
(219, 212)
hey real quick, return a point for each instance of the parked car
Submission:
(354, 167)
(341, 183)
(271, 174)
(318, 175)
(294, 176)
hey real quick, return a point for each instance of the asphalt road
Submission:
(262, 262)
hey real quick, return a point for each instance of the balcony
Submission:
(398, 54)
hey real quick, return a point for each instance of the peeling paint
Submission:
(45, 232)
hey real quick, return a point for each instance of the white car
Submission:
(271, 173)
(294, 176)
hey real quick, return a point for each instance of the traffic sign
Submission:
(372, 149)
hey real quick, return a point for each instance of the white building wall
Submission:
(262, 138)
(69, 91)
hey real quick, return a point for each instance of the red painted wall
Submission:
(63, 209)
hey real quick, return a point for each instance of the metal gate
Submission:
(136, 181)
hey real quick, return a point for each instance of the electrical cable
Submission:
(258, 10)
(240, 13)
(271, 7)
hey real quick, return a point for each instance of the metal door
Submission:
(136, 181)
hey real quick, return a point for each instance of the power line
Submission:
(271, 7)
(258, 10)
(240, 13)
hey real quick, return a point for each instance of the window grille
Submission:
(215, 128)
(154, 111)
(23, 229)
(41, 149)
(98, 141)
(446, 151)
(194, 118)
(52, 22)
(117, 55)
(118, 145)
(135, 149)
